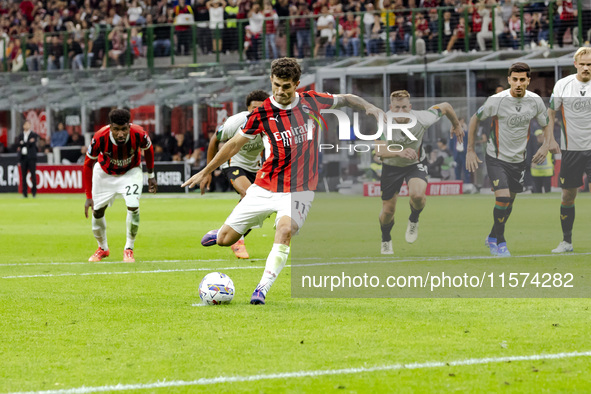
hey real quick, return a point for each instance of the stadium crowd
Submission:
(363, 25)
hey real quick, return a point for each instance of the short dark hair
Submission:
(256, 95)
(286, 68)
(119, 117)
(519, 68)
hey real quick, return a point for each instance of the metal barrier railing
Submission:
(235, 35)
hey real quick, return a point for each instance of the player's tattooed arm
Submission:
(456, 128)
(356, 102)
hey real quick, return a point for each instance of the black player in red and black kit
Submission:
(117, 148)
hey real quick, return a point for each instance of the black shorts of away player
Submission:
(235, 172)
(504, 175)
(573, 165)
(393, 178)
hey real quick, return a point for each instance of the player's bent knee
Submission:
(503, 193)
(283, 235)
(418, 197)
(388, 208)
(294, 228)
(224, 242)
(568, 202)
(418, 202)
(99, 213)
(388, 212)
(285, 228)
(227, 236)
(569, 196)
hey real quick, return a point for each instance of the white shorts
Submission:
(259, 204)
(105, 187)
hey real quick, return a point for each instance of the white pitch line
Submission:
(128, 272)
(355, 261)
(452, 258)
(364, 259)
(117, 262)
(305, 374)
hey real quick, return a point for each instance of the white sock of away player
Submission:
(133, 223)
(275, 263)
(99, 229)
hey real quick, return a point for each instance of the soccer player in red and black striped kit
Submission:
(285, 184)
(117, 148)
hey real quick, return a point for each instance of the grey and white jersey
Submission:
(511, 119)
(424, 120)
(573, 98)
(249, 157)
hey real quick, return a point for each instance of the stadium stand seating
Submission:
(57, 35)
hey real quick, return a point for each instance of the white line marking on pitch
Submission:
(365, 259)
(355, 261)
(452, 258)
(128, 272)
(304, 374)
(117, 262)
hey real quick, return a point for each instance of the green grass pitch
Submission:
(66, 323)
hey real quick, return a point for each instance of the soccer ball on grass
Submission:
(216, 288)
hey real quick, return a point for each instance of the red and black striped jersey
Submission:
(292, 162)
(117, 159)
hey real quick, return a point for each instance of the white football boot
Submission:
(387, 247)
(412, 232)
(563, 247)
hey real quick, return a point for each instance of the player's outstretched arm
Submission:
(356, 102)
(456, 128)
(229, 149)
(212, 150)
(472, 159)
(87, 179)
